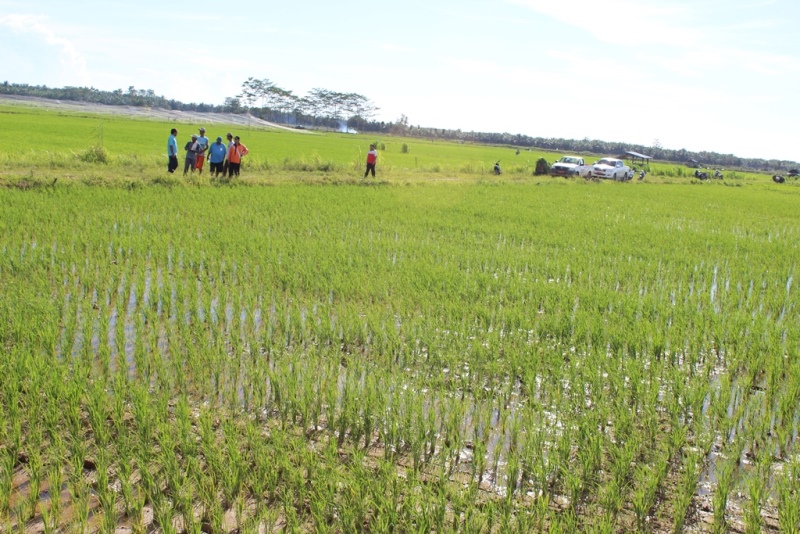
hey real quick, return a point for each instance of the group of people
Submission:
(223, 158)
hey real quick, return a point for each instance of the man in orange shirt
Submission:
(235, 154)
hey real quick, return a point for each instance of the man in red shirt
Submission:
(372, 157)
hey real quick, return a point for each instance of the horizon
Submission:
(701, 76)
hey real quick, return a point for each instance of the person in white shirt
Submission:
(202, 142)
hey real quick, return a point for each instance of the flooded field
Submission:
(448, 358)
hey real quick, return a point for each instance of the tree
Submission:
(232, 105)
(401, 125)
(250, 91)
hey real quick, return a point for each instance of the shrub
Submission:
(404, 148)
(94, 154)
(542, 167)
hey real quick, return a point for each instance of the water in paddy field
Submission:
(154, 295)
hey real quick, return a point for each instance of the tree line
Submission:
(118, 97)
(325, 108)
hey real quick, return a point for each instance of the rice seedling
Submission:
(450, 357)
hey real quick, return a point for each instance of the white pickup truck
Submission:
(611, 169)
(570, 166)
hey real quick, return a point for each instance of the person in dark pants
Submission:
(229, 136)
(216, 156)
(172, 151)
(235, 154)
(191, 148)
(372, 158)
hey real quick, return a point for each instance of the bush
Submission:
(94, 154)
(542, 167)
(404, 148)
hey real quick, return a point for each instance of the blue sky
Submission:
(718, 75)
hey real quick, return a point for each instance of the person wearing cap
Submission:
(235, 154)
(192, 148)
(229, 136)
(172, 151)
(372, 158)
(202, 142)
(217, 153)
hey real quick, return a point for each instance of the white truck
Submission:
(611, 169)
(570, 166)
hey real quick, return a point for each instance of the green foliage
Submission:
(542, 167)
(94, 154)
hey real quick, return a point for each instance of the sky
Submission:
(715, 75)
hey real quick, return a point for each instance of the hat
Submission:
(194, 136)
(202, 129)
(219, 139)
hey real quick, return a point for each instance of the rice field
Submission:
(440, 357)
(41, 145)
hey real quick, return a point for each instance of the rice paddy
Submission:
(436, 357)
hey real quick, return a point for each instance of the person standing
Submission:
(229, 137)
(191, 149)
(202, 142)
(372, 158)
(235, 154)
(172, 151)
(216, 156)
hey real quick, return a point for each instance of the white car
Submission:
(611, 169)
(570, 166)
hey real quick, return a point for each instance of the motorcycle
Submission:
(497, 168)
(702, 175)
(641, 174)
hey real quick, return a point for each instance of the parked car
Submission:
(611, 169)
(570, 166)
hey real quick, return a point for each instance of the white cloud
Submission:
(71, 58)
(626, 22)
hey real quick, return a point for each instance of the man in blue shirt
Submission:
(216, 157)
(172, 151)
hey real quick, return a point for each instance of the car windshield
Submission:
(609, 162)
(566, 159)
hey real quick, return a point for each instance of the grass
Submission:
(40, 144)
(457, 355)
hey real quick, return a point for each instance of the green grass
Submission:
(50, 143)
